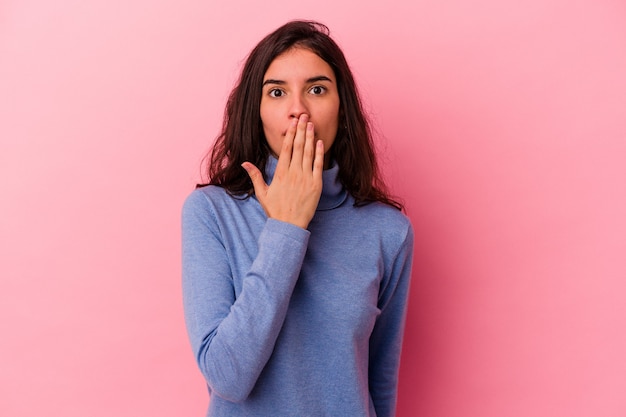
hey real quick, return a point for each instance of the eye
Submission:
(275, 92)
(317, 90)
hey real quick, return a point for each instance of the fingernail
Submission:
(309, 126)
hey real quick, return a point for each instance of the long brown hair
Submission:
(242, 138)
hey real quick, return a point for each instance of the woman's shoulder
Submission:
(210, 198)
(212, 193)
(385, 215)
(391, 225)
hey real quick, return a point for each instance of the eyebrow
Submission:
(310, 80)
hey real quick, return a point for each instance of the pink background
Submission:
(502, 124)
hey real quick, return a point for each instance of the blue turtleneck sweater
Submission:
(285, 321)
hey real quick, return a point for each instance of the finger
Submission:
(284, 159)
(318, 162)
(309, 148)
(298, 142)
(260, 187)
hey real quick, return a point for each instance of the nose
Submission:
(298, 107)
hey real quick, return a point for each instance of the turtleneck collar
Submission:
(333, 193)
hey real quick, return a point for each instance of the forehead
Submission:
(298, 63)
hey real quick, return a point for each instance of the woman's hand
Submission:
(296, 187)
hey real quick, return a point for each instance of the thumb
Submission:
(260, 187)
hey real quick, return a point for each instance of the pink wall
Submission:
(505, 132)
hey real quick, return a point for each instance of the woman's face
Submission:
(298, 82)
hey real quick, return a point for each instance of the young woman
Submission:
(296, 262)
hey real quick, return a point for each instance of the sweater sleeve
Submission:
(233, 337)
(386, 338)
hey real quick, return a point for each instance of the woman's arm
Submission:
(386, 338)
(234, 338)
